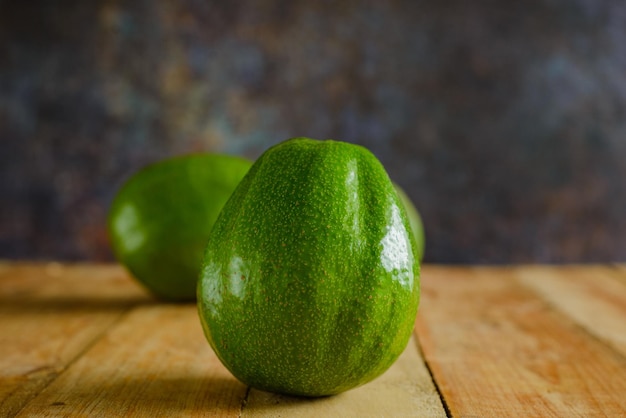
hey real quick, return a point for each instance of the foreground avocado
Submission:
(310, 281)
(160, 219)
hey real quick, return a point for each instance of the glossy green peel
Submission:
(310, 281)
(160, 219)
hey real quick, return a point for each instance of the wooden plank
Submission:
(405, 390)
(65, 282)
(154, 363)
(496, 349)
(592, 295)
(49, 315)
(621, 269)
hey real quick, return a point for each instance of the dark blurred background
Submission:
(505, 121)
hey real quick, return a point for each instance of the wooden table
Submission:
(527, 341)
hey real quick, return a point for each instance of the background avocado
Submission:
(160, 219)
(415, 220)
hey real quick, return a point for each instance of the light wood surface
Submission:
(86, 340)
(594, 297)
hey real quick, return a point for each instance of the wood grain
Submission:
(621, 268)
(496, 349)
(593, 296)
(49, 315)
(85, 340)
(156, 362)
(153, 363)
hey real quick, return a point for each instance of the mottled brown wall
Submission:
(504, 121)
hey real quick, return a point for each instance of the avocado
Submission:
(415, 220)
(310, 280)
(161, 217)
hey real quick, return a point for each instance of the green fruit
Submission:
(161, 218)
(415, 220)
(310, 281)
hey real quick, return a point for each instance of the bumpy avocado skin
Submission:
(160, 219)
(310, 280)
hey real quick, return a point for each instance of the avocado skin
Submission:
(160, 219)
(310, 281)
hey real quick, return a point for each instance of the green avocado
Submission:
(415, 220)
(310, 280)
(161, 217)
